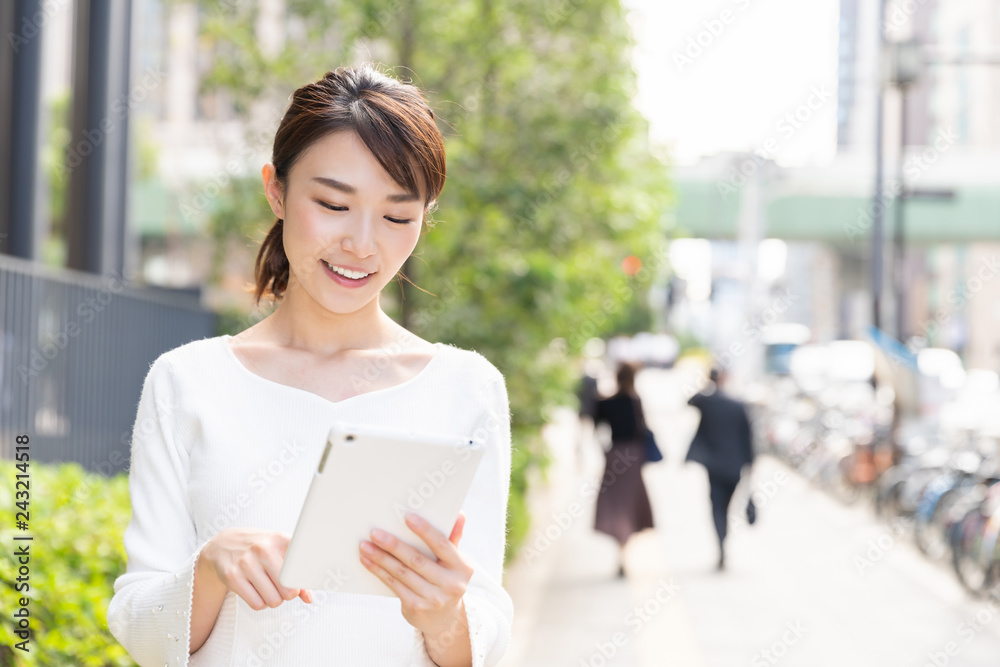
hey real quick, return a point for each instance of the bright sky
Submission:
(766, 60)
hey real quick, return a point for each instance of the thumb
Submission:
(456, 532)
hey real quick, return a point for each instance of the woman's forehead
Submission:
(344, 157)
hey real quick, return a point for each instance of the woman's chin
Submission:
(345, 304)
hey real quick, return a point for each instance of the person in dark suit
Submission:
(622, 503)
(723, 444)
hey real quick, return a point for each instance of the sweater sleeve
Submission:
(488, 607)
(150, 611)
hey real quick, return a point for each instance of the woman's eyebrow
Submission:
(351, 190)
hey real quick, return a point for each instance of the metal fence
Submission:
(74, 350)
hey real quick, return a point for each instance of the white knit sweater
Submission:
(216, 446)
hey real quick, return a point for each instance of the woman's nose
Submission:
(360, 238)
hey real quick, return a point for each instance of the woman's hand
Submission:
(248, 561)
(431, 592)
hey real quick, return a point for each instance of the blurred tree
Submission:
(53, 164)
(551, 181)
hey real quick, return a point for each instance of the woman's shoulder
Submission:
(472, 362)
(195, 355)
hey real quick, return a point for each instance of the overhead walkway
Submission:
(834, 203)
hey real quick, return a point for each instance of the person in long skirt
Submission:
(622, 503)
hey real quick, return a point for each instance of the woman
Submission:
(622, 504)
(229, 429)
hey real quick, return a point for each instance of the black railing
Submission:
(74, 349)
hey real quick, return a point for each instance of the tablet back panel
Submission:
(370, 477)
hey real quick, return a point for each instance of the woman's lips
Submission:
(344, 280)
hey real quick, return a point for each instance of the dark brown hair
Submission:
(391, 118)
(626, 378)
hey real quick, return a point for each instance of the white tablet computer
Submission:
(370, 477)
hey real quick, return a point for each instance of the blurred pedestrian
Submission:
(587, 394)
(723, 444)
(622, 504)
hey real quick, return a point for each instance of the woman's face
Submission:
(348, 227)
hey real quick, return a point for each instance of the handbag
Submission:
(652, 451)
(751, 510)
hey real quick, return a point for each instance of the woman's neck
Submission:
(302, 323)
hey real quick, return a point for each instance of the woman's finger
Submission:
(408, 565)
(404, 592)
(439, 545)
(272, 567)
(456, 531)
(265, 586)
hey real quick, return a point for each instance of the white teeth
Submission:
(354, 275)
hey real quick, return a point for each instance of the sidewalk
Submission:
(813, 583)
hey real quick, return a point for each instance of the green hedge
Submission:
(76, 522)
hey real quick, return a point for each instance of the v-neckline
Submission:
(224, 340)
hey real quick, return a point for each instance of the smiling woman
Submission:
(338, 210)
(381, 127)
(229, 429)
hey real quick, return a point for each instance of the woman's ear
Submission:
(427, 220)
(272, 190)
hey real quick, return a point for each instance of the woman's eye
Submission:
(398, 220)
(331, 206)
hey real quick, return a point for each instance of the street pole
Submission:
(909, 60)
(878, 206)
(899, 251)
